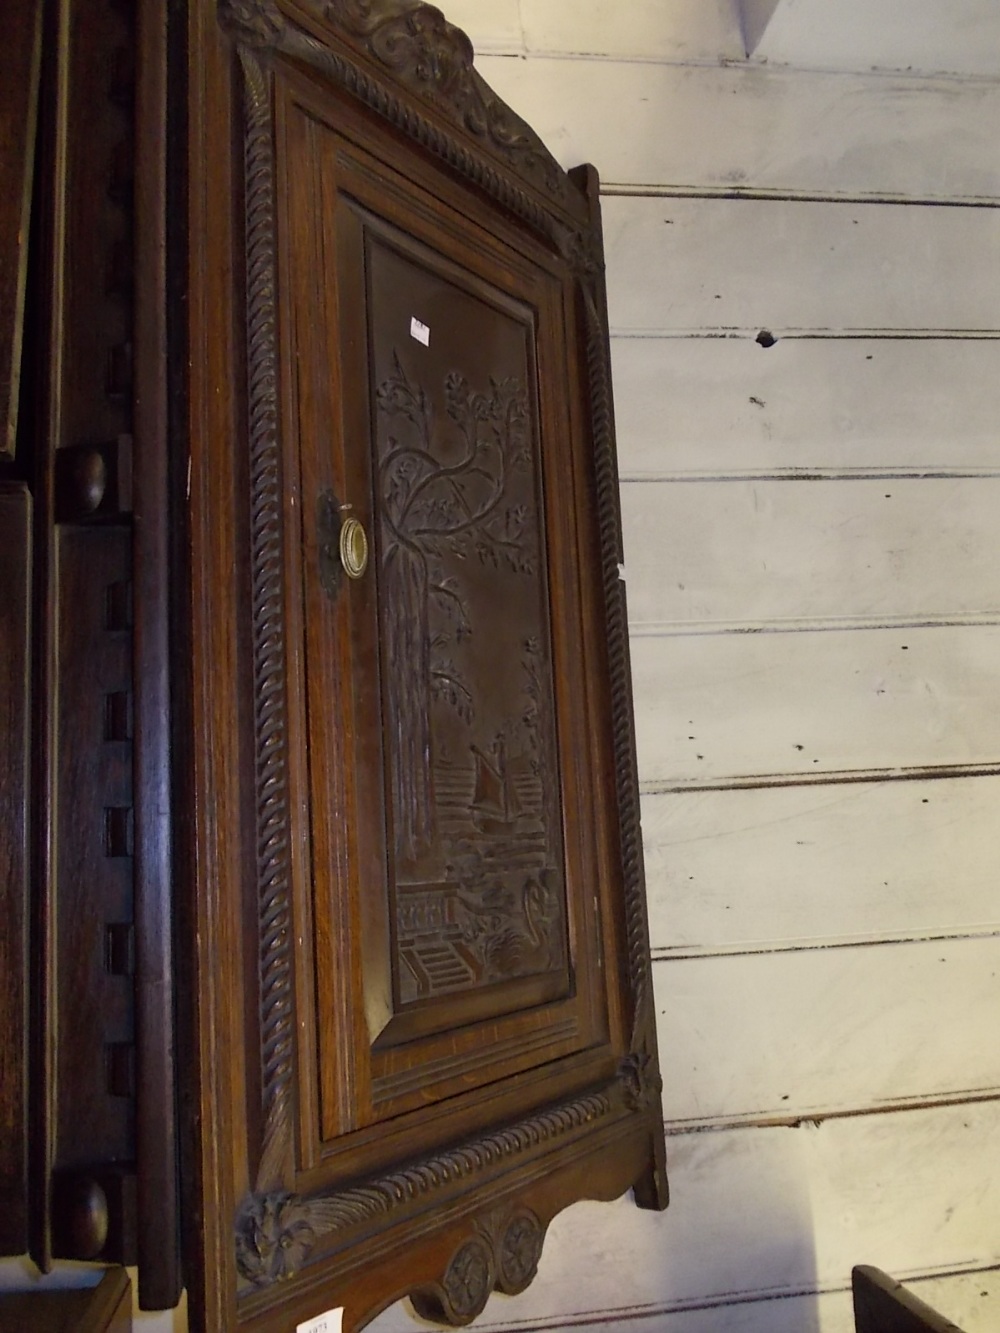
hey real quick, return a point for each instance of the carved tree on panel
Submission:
(443, 498)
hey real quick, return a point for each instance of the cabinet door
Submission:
(412, 765)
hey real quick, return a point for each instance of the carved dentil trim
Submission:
(277, 1232)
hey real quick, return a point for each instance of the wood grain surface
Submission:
(18, 110)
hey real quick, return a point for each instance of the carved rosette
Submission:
(519, 1252)
(468, 1282)
(502, 1255)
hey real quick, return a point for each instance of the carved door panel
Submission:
(466, 661)
(421, 1007)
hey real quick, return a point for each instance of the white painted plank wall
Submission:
(742, 870)
(866, 406)
(798, 1207)
(884, 547)
(814, 600)
(728, 129)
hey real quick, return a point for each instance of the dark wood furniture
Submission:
(331, 747)
(18, 111)
(882, 1305)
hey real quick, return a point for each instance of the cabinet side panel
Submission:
(18, 108)
(15, 518)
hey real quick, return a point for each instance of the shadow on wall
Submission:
(740, 1215)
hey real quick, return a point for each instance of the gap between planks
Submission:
(745, 949)
(815, 1118)
(859, 334)
(743, 782)
(675, 629)
(521, 51)
(640, 1313)
(917, 472)
(626, 190)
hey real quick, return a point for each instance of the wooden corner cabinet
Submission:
(348, 608)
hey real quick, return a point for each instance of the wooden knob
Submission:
(90, 480)
(81, 1218)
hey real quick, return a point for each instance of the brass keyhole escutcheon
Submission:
(353, 548)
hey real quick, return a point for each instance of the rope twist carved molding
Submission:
(637, 928)
(270, 725)
(277, 1232)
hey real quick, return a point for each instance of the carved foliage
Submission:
(429, 55)
(278, 1232)
(479, 894)
(433, 60)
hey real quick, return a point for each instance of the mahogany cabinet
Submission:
(337, 877)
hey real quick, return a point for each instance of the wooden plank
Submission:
(791, 866)
(643, 29)
(762, 551)
(972, 1299)
(493, 27)
(763, 1213)
(712, 707)
(780, 265)
(860, 35)
(746, 126)
(730, 406)
(15, 713)
(688, 30)
(18, 108)
(824, 1031)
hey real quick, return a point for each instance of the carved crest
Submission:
(429, 57)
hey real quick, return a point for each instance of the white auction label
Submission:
(331, 1322)
(420, 331)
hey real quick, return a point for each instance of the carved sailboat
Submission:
(496, 806)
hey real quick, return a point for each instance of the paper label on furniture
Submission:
(331, 1322)
(420, 331)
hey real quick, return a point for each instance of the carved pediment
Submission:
(423, 53)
